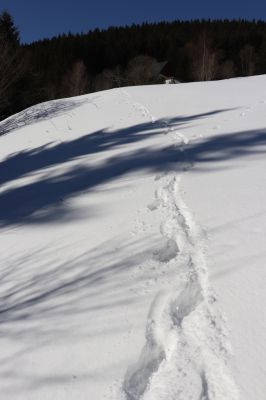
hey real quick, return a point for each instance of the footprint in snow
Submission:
(166, 252)
(154, 205)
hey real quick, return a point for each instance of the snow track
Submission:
(186, 350)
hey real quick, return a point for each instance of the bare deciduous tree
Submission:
(227, 69)
(247, 60)
(108, 79)
(204, 59)
(76, 80)
(142, 70)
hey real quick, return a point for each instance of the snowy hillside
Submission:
(132, 233)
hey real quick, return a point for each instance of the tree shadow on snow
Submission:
(44, 199)
(28, 293)
(45, 298)
(43, 301)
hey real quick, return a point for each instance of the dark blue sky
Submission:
(38, 19)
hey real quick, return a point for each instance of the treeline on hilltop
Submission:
(75, 64)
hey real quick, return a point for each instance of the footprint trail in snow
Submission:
(186, 351)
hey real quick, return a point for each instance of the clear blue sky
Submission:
(38, 19)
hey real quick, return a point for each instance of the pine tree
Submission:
(12, 64)
(8, 30)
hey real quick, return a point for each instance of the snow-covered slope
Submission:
(132, 232)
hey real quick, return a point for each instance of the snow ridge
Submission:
(186, 351)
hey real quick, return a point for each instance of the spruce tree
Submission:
(8, 30)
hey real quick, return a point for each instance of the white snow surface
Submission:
(132, 234)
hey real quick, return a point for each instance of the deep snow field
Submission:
(133, 245)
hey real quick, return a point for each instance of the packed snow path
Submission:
(185, 352)
(121, 214)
